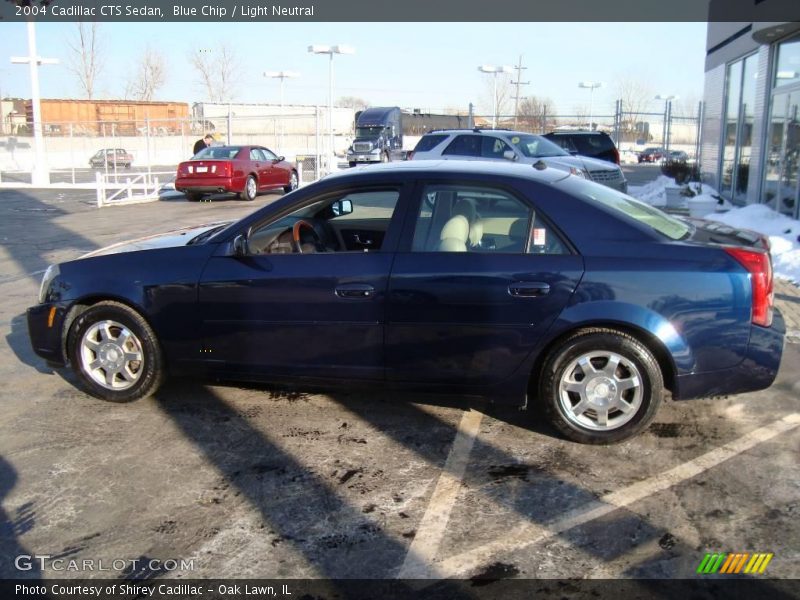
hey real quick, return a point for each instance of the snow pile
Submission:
(783, 235)
(653, 193)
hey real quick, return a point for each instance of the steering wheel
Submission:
(297, 228)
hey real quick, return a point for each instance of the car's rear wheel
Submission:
(115, 353)
(194, 196)
(250, 189)
(293, 182)
(601, 386)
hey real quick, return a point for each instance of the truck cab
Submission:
(378, 136)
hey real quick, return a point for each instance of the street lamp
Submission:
(494, 71)
(330, 51)
(667, 109)
(591, 86)
(281, 75)
(39, 173)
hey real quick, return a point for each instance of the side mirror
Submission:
(510, 155)
(280, 158)
(239, 246)
(342, 207)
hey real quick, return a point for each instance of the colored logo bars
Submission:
(742, 562)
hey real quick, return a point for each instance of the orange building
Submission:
(107, 117)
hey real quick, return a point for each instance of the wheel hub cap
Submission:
(111, 355)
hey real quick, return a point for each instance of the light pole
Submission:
(494, 71)
(281, 75)
(39, 174)
(330, 51)
(591, 86)
(667, 106)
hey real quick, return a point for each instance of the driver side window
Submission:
(343, 222)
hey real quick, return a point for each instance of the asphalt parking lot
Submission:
(260, 482)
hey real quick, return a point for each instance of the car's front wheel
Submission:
(194, 196)
(115, 353)
(601, 386)
(293, 182)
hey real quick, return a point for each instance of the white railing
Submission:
(112, 190)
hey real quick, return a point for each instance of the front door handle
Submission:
(355, 290)
(529, 289)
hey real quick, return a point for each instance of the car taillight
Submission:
(759, 265)
(616, 156)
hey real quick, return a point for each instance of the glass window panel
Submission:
(733, 98)
(788, 69)
(787, 202)
(742, 169)
(774, 149)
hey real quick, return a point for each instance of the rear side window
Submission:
(429, 142)
(466, 218)
(593, 144)
(464, 145)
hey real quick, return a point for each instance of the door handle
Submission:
(529, 289)
(355, 290)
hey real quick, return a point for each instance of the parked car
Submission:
(628, 157)
(242, 170)
(651, 155)
(594, 144)
(514, 146)
(110, 157)
(676, 156)
(525, 285)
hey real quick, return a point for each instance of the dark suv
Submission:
(595, 144)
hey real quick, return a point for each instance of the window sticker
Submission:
(515, 140)
(539, 236)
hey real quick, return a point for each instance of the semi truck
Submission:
(387, 133)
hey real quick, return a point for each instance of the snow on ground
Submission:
(783, 232)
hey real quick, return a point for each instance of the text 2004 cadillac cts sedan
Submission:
(515, 282)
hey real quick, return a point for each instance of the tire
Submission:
(293, 183)
(96, 338)
(250, 189)
(604, 370)
(352, 163)
(194, 196)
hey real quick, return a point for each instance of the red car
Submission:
(242, 170)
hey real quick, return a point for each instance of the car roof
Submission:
(428, 168)
(576, 132)
(479, 131)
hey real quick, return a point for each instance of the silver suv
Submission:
(499, 144)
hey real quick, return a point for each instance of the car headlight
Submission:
(49, 275)
(579, 172)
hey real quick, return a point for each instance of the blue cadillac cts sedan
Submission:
(514, 282)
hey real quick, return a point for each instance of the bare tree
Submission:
(536, 114)
(636, 96)
(85, 59)
(149, 75)
(352, 102)
(217, 71)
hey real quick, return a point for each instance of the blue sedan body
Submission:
(431, 320)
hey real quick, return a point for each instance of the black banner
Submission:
(728, 588)
(405, 11)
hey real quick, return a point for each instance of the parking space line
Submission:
(431, 529)
(527, 535)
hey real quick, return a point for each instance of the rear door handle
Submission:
(355, 290)
(529, 289)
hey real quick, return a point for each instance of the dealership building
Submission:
(751, 123)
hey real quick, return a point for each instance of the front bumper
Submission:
(756, 372)
(46, 334)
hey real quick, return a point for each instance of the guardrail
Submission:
(143, 187)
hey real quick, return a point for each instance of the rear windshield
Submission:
(663, 223)
(535, 146)
(218, 152)
(429, 142)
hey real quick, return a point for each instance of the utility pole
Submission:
(519, 69)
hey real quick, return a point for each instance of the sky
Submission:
(432, 66)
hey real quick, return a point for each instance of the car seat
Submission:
(454, 235)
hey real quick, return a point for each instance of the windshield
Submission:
(535, 146)
(369, 132)
(660, 221)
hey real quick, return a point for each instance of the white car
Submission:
(515, 146)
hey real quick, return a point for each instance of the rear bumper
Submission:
(45, 337)
(756, 372)
(207, 184)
